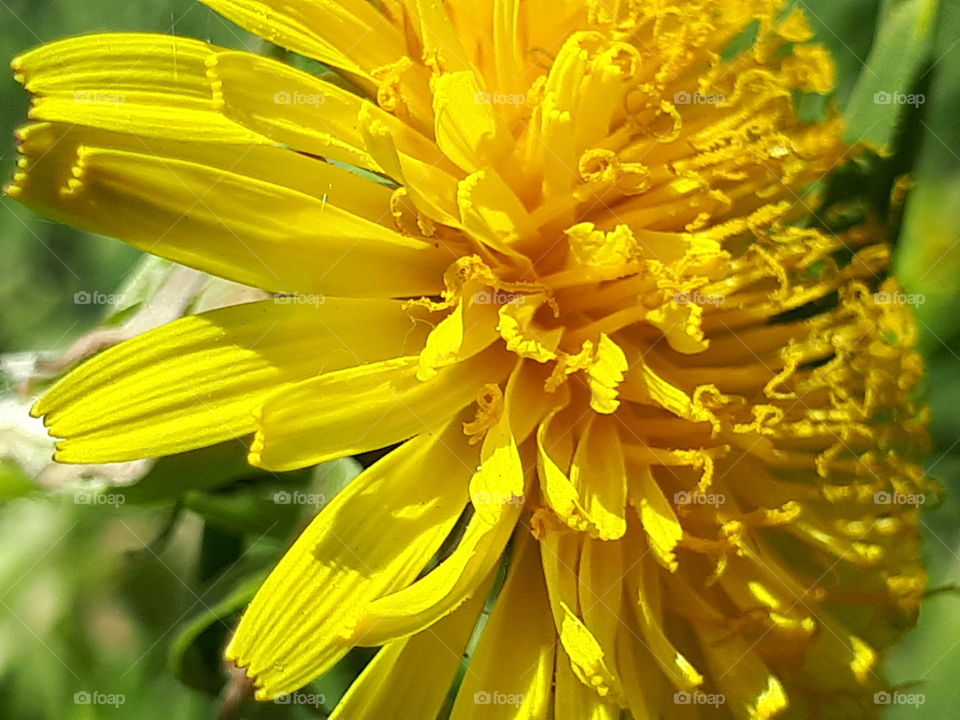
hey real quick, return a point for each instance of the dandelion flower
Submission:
(558, 253)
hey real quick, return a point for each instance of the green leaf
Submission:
(251, 510)
(145, 280)
(194, 654)
(846, 29)
(883, 93)
(269, 503)
(204, 469)
(330, 478)
(928, 261)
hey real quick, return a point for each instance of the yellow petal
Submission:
(349, 34)
(414, 673)
(163, 199)
(507, 44)
(642, 680)
(576, 694)
(306, 112)
(365, 408)
(680, 323)
(154, 85)
(599, 474)
(644, 384)
(443, 344)
(375, 537)
(560, 555)
(556, 127)
(657, 516)
(290, 106)
(197, 381)
(466, 331)
(512, 667)
(587, 657)
(441, 41)
(431, 187)
(518, 328)
(600, 592)
(169, 87)
(497, 492)
(492, 213)
(469, 132)
(415, 608)
(575, 700)
(750, 690)
(594, 248)
(644, 587)
(499, 480)
(331, 185)
(527, 404)
(554, 453)
(605, 375)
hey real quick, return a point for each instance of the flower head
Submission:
(559, 251)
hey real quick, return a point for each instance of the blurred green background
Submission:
(136, 599)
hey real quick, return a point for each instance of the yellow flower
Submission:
(557, 250)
